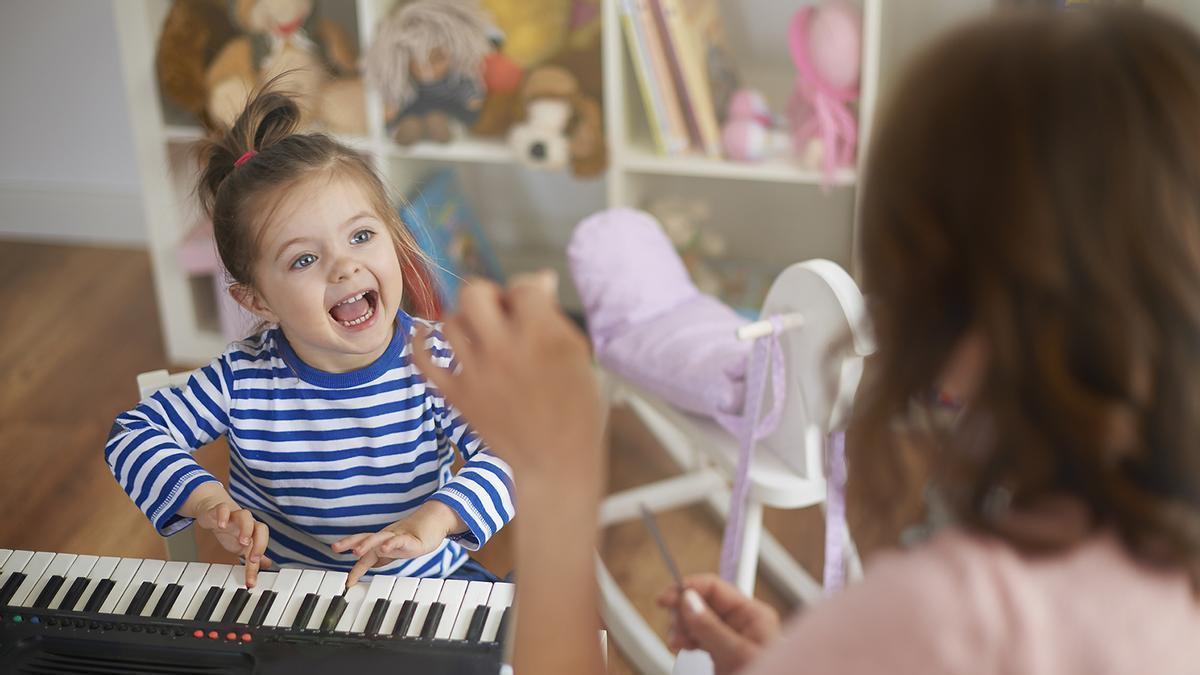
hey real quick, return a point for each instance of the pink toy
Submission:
(826, 46)
(750, 133)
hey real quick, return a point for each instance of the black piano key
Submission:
(404, 619)
(236, 604)
(10, 587)
(103, 588)
(502, 629)
(73, 594)
(260, 610)
(478, 619)
(170, 593)
(305, 612)
(337, 607)
(204, 612)
(431, 619)
(48, 593)
(376, 619)
(140, 598)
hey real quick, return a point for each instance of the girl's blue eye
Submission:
(361, 237)
(304, 261)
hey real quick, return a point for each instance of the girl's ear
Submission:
(252, 302)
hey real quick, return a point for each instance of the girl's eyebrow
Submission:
(358, 216)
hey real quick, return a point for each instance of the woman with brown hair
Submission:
(1030, 246)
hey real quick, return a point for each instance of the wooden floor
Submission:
(77, 326)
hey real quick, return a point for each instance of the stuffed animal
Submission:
(192, 35)
(316, 55)
(532, 31)
(427, 62)
(751, 133)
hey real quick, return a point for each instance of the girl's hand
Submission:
(719, 619)
(237, 532)
(420, 533)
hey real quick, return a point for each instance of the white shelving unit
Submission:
(772, 213)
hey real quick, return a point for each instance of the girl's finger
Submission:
(266, 563)
(245, 526)
(222, 516)
(261, 536)
(360, 568)
(403, 545)
(373, 541)
(346, 543)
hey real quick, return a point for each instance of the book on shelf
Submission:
(447, 230)
(663, 114)
(694, 37)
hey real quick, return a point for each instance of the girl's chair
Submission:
(181, 545)
(678, 359)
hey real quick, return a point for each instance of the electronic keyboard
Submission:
(67, 613)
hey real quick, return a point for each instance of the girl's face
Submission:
(329, 274)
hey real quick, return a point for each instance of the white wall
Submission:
(67, 166)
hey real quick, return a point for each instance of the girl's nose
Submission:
(345, 268)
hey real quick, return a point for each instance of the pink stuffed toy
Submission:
(826, 45)
(750, 132)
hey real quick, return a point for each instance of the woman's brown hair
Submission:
(1035, 184)
(240, 196)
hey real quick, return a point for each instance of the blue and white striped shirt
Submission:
(316, 456)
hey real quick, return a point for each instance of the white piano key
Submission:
(332, 585)
(235, 580)
(501, 597)
(80, 568)
(285, 585)
(33, 571)
(266, 582)
(4, 553)
(103, 569)
(190, 581)
(147, 571)
(15, 562)
(477, 594)
(59, 565)
(309, 582)
(451, 596)
(170, 574)
(380, 589)
(427, 594)
(403, 589)
(215, 576)
(355, 596)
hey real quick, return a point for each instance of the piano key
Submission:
(375, 618)
(309, 582)
(307, 608)
(505, 620)
(266, 581)
(402, 589)
(102, 570)
(166, 601)
(169, 575)
(124, 586)
(333, 614)
(9, 589)
(57, 568)
(475, 597)
(14, 562)
(332, 585)
(404, 619)
(379, 589)
(140, 598)
(51, 589)
(99, 596)
(215, 575)
(4, 553)
(499, 600)
(236, 580)
(285, 585)
(259, 613)
(33, 572)
(355, 599)
(74, 580)
(478, 618)
(208, 604)
(237, 602)
(432, 618)
(451, 599)
(427, 593)
(189, 583)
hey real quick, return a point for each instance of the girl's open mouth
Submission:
(356, 311)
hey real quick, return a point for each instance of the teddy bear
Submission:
(279, 36)
(427, 63)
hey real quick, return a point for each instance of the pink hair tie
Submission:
(244, 158)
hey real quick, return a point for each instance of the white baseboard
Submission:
(77, 214)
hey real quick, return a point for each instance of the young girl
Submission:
(338, 448)
(1031, 245)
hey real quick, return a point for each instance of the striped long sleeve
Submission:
(314, 455)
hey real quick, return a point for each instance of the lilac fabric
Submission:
(648, 321)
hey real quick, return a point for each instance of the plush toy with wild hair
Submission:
(427, 63)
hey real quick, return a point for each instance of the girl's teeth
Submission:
(354, 299)
(364, 317)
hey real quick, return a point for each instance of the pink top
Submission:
(965, 604)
